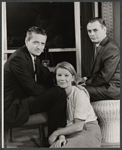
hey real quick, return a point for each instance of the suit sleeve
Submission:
(20, 70)
(45, 76)
(108, 66)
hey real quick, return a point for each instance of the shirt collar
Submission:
(32, 56)
(97, 45)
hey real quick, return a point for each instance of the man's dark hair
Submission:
(100, 20)
(36, 30)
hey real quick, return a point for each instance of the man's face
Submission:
(36, 44)
(96, 32)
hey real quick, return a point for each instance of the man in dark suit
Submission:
(104, 80)
(28, 86)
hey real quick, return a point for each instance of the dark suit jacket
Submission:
(19, 84)
(106, 69)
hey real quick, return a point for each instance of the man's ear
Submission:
(26, 41)
(105, 29)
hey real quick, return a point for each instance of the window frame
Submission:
(77, 49)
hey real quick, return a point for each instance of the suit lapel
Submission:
(29, 60)
(38, 69)
(99, 54)
(96, 57)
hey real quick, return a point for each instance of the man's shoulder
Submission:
(110, 50)
(110, 46)
(20, 52)
(112, 43)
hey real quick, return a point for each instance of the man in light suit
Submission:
(28, 86)
(104, 80)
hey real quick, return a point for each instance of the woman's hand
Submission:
(61, 142)
(53, 137)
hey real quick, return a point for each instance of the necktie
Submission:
(35, 69)
(95, 55)
(96, 52)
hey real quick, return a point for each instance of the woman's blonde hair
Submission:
(70, 68)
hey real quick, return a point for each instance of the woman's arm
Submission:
(73, 128)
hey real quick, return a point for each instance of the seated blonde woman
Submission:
(82, 128)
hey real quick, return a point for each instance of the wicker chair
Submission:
(108, 113)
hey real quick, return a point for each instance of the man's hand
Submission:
(53, 137)
(82, 81)
(88, 81)
(61, 142)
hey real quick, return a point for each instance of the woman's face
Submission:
(64, 78)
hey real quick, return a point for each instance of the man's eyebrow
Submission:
(43, 42)
(95, 29)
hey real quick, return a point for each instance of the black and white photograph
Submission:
(60, 74)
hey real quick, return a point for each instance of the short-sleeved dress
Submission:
(78, 106)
